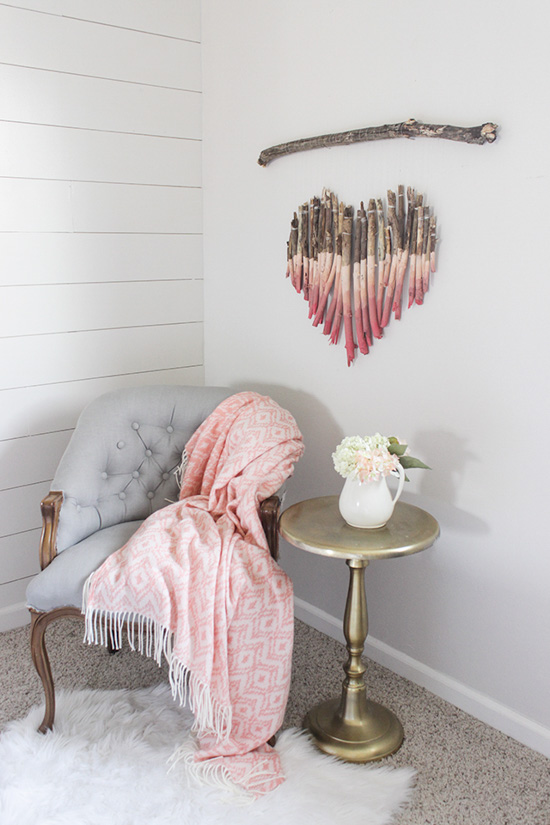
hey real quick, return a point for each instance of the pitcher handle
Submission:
(401, 472)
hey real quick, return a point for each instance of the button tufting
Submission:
(135, 474)
(104, 475)
(120, 445)
(169, 429)
(150, 494)
(78, 508)
(165, 476)
(122, 496)
(148, 453)
(135, 425)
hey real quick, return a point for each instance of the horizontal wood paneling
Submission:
(29, 411)
(57, 153)
(15, 613)
(46, 41)
(120, 208)
(77, 355)
(37, 310)
(54, 206)
(35, 206)
(29, 460)
(29, 258)
(20, 508)
(19, 556)
(36, 96)
(174, 18)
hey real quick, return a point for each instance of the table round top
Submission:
(317, 526)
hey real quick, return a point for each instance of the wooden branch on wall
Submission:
(486, 133)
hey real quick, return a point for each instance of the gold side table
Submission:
(351, 726)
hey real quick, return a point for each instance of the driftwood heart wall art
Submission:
(353, 268)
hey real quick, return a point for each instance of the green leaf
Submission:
(397, 449)
(407, 461)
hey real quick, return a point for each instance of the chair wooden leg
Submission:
(42, 664)
(39, 623)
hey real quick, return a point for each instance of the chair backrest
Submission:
(120, 462)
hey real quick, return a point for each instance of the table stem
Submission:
(353, 703)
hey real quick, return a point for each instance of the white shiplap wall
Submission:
(100, 231)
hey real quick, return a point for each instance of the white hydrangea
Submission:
(350, 448)
(376, 441)
(345, 455)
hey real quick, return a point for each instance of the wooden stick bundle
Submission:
(355, 270)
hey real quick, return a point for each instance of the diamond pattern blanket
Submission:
(197, 584)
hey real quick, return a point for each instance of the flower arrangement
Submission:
(370, 458)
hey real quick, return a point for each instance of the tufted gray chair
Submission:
(118, 468)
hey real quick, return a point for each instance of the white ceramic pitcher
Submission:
(369, 504)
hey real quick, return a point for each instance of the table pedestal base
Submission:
(376, 734)
(352, 727)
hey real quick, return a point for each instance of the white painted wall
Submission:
(464, 378)
(100, 231)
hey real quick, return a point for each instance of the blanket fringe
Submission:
(155, 641)
(212, 772)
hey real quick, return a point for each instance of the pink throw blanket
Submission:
(198, 584)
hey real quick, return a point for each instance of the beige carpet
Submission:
(468, 773)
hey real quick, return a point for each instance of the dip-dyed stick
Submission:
(357, 286)
(334, 315)
(418, 291)
(346, 283)
(371, 269)
(327, 279)
(331, 263)
(433, 240)
(389, 251)
(319, 219)
(396, 256)
(302, 244)
(298, 257)
(364, 277)
(412, 251)
(308, 266)
(426, 253)
(314, 272)
(329, 268)
(402, 269)
(401, 210)
(288, 258)
(324, 223)
(333, 320)
(381, 249)
(292, 245)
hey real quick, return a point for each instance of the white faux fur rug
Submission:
(105, 764)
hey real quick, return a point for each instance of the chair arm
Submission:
(269, 516)
(50, 507)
